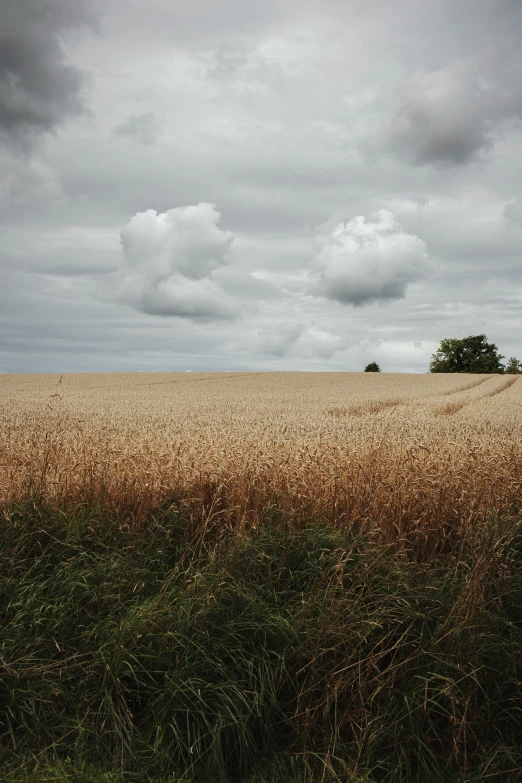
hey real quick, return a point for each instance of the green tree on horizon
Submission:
(471, 354)
(372, 367)
(514, 366)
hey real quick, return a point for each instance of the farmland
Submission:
(399, 448)
(263, 577)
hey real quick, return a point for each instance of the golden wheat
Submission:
(398, 450)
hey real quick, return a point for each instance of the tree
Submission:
(471, 354)
(372, 367)
(514, 366)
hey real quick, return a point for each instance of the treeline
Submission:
(471, 354)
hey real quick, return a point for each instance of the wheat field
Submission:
(400, 451)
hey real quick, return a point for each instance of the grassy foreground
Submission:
(184, 650)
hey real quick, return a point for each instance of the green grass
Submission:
(172, 652)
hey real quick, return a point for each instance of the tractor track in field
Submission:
(454, 406)
(467, 386)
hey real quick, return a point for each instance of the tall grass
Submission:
(180, 649)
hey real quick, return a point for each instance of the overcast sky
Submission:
(240, 185)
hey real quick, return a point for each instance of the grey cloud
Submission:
(368, 260)
(223, 62)
(143, 128)
(513, 212)
(439, 118)
(38, 87)
(25, 180)
(203, 300)
(453, 115)
(292, 339)
(244, 285)
(277, 339)
(321, 343)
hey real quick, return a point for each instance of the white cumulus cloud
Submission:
(171, 258)
(368, 259)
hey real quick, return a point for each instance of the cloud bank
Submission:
(368, 260)
(263, 111)
(171, 258)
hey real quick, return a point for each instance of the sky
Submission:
(191, 185)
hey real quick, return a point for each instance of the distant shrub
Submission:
(514, 366)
